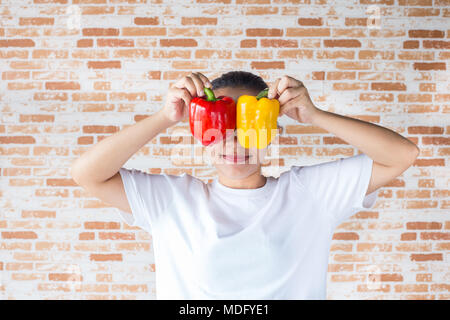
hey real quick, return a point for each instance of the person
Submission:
(243, 235)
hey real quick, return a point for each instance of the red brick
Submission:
(267, 64)
(436, 140)
(408, 236)
(376, 54)
(426, 257)
(279, 43)
(36, 118)
(38, 214)
(36, 21)
(101, 225)
(308, 32)
(17, 43)
(427, 87)
(113, 42)
(60, 85)
(47, 96)
(391, 277)
(85, 140)
(258, 10)
(93, 32)
(52, 54)
(104, 64)
(17, 139)
(106, 257)
(435, 235)
(84, 43)
(178, 42)
(61, 182)
(144, 31)
(145, 21)
(387, 97)
(261, 32)
(421, 3)
(353, 65)
(423, 225)
(100, 129)
(198, 21)
(388, 86)
(116, 236)
(411, 44)
(435, 44)
(345, 236)
(361, 22)
(65, 277)
(89, 96)
(86, 236)
(341, 75)
(429, 66)
(8, 54)
(318, 75)
(422, 12)
(212, 54)
(426, 33)
(429, 162)
(19, 235)
(310, 21)
(248, 43)
(346, 43)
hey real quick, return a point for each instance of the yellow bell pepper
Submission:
(256, 120)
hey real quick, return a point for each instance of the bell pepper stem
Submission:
(209, 94)
(262, 94)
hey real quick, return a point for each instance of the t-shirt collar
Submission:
(267, 187)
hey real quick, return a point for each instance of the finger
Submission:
(198, 84)
(179, 83)
(288, 82)
(188, 83)
(289, 94)
(273, 89)
(205, 80)
(185, 95)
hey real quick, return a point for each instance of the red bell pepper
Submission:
(210, 118)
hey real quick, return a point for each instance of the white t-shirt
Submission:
(215, 242)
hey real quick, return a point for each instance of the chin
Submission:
(237, 171)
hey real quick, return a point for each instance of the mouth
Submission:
(235, 158)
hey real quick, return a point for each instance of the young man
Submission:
(243, 236)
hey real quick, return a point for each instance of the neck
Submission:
(253, 181)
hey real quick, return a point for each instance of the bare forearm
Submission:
(381, 144)
(104, 159)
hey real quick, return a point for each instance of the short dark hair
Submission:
(240, 79)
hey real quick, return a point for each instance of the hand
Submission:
(294, 99)
(180, 95)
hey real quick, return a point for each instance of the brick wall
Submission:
(76, 71)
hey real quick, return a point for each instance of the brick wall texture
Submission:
(76, 71)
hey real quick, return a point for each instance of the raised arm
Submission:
(97, 170)
(391, 153)
(104, 159)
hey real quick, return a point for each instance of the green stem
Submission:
(209, 94)
(262, 94)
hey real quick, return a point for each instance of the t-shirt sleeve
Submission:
(148, 196)
(339, 186)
